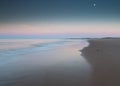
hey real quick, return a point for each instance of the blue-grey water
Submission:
(43, 62)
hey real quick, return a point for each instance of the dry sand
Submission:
(104, 57)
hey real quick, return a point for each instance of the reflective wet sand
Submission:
(50, 65)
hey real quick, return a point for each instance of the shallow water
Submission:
(43, 63)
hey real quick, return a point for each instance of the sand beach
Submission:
(104, 57)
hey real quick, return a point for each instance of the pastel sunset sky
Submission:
(59, 18)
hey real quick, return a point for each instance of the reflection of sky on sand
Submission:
(11, 44)
(61, 64)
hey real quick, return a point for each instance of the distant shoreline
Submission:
(2, 37)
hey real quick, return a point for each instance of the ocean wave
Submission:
(27, 48)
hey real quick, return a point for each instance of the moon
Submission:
(94, 4)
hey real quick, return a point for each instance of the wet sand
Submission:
(62, 65)
(104, 57)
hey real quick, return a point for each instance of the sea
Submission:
(43, 62)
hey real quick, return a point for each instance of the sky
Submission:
(59, 18)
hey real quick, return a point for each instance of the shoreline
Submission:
(104, 57)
